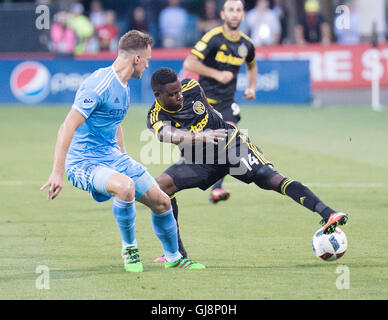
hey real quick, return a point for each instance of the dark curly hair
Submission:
(161, 77)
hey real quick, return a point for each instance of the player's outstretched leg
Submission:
(266, 177)
(304, 196)
(218, 194)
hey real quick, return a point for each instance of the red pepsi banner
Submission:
(336, 66)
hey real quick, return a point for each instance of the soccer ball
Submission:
(330, 247)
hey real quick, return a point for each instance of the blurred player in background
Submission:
(217, 58)
(182, 115)
(90, 147)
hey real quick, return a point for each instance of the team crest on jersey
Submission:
(200, 46)
(199, 107)
(243, 51)
(224, 47)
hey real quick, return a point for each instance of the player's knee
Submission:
(166, 183)
(268, 178)
(127, 190)
(122, 187)
(275, 182)
(163, 203)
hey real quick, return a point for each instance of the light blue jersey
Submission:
(103, 100)
(94, 154)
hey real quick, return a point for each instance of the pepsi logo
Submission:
(30, 82)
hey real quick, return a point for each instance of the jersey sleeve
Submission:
(191, 89)
(251, 56)
(86, 101)
(156, 121)
(204, 47)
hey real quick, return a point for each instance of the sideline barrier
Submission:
(56, 80)
(332, 66)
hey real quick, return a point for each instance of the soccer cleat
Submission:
(335, 219)
(183, 263)
(161, 259)
(219, 195)
(132, 259)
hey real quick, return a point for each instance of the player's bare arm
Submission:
(250, 92)
(65, 134)
(120, 139)
(176, 136)
(208, 105)
(193, 64)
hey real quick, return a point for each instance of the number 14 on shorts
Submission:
(252, 160)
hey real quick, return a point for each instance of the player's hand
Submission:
(211, 136)
(224, 76)
(55, 182)
(249, 94)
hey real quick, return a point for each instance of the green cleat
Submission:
(183, 264)
(132, 259)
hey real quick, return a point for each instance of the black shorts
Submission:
(191, 175)
(230, 111)
(248, 166)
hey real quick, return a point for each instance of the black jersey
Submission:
(193, 116)
(218, 51)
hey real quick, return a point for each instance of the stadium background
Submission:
(261, 252)
(342, 61)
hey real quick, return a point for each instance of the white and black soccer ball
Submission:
(330, 247)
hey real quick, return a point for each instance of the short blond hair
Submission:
(134, 40)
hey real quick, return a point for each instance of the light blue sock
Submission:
(125, 216)
(165, 228)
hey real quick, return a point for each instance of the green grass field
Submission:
(257, 245)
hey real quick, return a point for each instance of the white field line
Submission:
(346, 185)
(17, 183)
(327, 185)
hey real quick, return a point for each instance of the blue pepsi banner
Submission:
(278, 82)
(56, 81)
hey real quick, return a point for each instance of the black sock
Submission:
(218, 184)
(174, 206)
(304, 196)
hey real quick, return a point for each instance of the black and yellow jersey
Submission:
(193, 116)
(218, 51)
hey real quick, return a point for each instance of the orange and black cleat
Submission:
(335, 219)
